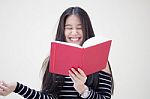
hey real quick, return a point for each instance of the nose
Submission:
(74, 31)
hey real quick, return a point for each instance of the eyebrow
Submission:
(67, 24)
(71, 25)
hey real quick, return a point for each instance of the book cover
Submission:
(91, 57)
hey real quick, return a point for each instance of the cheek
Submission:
(66, 36)
(81, 33)
(66, 33)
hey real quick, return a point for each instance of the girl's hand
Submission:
(6, 89)
(79, 78)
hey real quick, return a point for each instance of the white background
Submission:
(28, 26)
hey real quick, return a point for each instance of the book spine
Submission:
(83, 59)
(53, 58)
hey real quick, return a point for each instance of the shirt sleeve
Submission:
(104, 87)
(29, 93)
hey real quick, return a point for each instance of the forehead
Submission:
(73, 20)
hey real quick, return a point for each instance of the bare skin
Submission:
(73, 34)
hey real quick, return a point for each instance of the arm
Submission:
(104, 86)
(24, 91)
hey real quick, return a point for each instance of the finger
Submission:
(4, 83)
(77, 74)
(1, 82)
(70, 74)
(73, 76)
(4, 88)
(1, 89)
(74, 71)
(1, 92)
(81, 72)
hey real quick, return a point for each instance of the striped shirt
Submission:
(68, 91)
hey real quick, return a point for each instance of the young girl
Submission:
(74, 27)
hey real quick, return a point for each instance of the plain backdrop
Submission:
(28, 26)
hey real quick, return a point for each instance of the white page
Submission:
(69, 44)
(90, 42)
(94, 40)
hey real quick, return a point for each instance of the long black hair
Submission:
(51, 81)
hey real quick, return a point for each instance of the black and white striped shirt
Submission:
(68, 91)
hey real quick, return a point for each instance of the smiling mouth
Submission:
(74, 39)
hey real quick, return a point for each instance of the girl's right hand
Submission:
(7, 88)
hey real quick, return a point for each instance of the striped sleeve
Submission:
(28, 93)
(104, 87)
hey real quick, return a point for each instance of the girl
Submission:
(74, 27)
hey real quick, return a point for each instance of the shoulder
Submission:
(107, 69)
(46, 60)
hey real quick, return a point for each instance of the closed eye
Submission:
(68, 28)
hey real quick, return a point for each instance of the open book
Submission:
(91, 57)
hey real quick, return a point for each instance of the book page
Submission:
(69, 44)
(94, 41)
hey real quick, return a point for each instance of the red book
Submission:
(91, 57)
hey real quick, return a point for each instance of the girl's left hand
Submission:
(7, 88)
(79, 78)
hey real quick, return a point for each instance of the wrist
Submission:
(82, 88)
(13, 86)
(85, 93)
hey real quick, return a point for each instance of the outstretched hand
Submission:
(7, 88)
(79, 78)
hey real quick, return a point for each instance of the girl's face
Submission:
(73, 30)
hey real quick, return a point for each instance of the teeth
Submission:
(74, 39)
